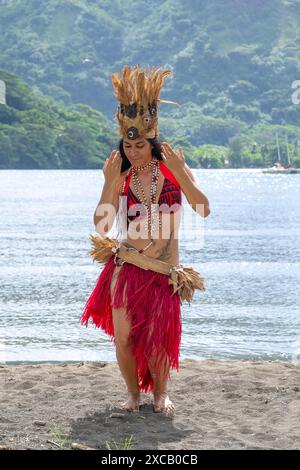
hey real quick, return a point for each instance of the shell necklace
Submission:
(145, 167)
(153, 219)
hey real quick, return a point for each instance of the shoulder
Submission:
(125, 173)
(168, 174)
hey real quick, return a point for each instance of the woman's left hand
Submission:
(174, 161)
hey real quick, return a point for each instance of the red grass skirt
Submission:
(154, 313)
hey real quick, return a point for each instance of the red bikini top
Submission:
(170, 193)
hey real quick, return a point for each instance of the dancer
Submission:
(138, 296)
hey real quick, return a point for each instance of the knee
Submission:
(123, 342)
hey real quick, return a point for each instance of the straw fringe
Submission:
(102, 248)
(184, 279)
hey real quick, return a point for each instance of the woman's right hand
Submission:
(112, 167)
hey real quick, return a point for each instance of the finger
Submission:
(117, 157)
(117, 162)
(169, 150)
(165, 150)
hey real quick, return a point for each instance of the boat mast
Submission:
(287, 149)
(278, 149)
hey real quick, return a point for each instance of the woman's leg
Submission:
(126, 360)
(162, 402)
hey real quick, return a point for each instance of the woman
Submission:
(135, 306)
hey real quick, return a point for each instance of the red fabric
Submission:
(165, 171)
(168, 174)
(154, 313)
(170, 193)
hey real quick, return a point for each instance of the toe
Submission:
(136, 409)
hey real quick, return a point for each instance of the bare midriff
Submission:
(164, 244)
(164, 249)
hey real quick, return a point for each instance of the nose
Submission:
(132, 153)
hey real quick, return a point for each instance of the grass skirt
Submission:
(155, 316)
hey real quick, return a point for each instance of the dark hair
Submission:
(156, 152)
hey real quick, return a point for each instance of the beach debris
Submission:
(39, 423)
(117, 415)
(77, 446)
(96, 365)
(54, 443)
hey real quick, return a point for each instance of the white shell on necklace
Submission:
(153, 219)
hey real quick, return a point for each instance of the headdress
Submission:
(138, 94)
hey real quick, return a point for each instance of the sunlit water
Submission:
(248, 251)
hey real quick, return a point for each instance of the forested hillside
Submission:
(37, 132)
(234, 63)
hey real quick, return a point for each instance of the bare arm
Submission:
(206, 210)
(189, 172)
(197, 200)
(107, 207)
(108, 204)
(176, 163)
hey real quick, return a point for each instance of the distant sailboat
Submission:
(281, 170)
(277, 168)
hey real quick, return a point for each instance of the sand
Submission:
(219, 405)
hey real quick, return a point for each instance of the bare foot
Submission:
(162, 403)
(133, 402)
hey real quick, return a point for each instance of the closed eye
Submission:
(128, 147)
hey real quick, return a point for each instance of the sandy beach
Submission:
(219, 405)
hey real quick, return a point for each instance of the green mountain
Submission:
(234, 63)
(37, 132)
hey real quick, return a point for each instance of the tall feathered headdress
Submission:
(138, 94)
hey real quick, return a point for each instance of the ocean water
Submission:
(248, 251)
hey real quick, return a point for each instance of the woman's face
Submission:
(137, 151)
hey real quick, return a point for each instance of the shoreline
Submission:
(102, 361)
(220, 404)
